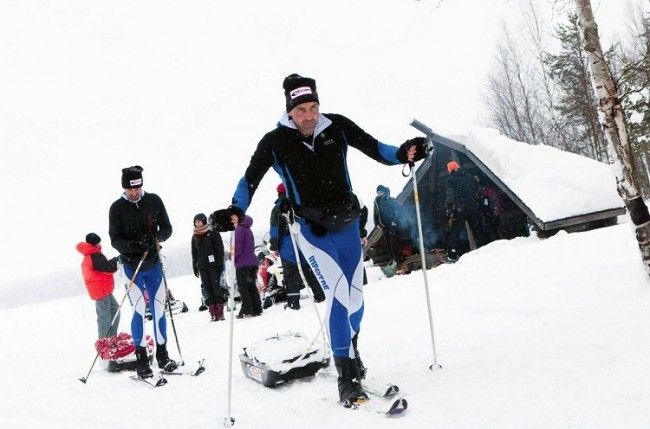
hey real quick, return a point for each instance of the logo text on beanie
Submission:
(135, 182)
(303, 90)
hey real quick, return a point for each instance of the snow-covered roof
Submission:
(550, 185)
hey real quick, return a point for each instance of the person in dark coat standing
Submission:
(462, 206)
(246, 267)
(386, 215)
(98, 272)
(138, 222)
(207, 263)
(280, 242)
(308, 149)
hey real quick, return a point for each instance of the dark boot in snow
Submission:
(350, 391)
(293, 301)
(213, 312)
(164, 362)
(142, 363)
(218, 311)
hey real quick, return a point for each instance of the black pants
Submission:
(250, 297)
(473, 218)
(293, 282)
(211, 285)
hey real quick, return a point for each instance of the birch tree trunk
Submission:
(613, 121)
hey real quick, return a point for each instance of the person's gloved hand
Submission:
(219, 220)
(285, 205)
(148, 241)
(422, 149)
(136, 247)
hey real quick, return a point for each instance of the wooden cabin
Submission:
(550, 190)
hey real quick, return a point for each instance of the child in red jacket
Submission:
(98, 275)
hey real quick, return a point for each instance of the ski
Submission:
(198, 371)
(395, 407)
(160, 382)
(386, 392)
(379, 388)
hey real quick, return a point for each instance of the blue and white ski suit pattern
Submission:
(315, 173)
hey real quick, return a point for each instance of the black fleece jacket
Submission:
(314, 172)
(128, 222)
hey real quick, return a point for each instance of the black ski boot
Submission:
(293, 301)
(142, 363)
(360, 367)
(164, 362)
(350, 391)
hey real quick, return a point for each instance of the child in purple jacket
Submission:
(246, 267)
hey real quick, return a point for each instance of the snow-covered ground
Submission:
(530, 333)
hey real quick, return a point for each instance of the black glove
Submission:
(422, 145)
(148, 241)
(220, 220)
(285, 205)
(136, 247)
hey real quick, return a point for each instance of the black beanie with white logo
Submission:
(298, 90)
(132, 177)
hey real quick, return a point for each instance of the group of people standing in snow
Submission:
(308, 149)
(471, 207)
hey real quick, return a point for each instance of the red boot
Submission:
(219, 312)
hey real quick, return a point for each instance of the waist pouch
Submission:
(335, 216)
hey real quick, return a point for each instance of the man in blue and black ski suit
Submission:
(137, 223)
(308, 150)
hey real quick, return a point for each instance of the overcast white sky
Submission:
(187, 90)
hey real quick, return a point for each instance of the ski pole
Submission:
(119, 308)
(171, 314)
(229, 421)
(416, 196)
(294, 241)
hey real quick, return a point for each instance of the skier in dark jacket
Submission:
(386, 215)
(98, 272)
(309, 150)
(280, 241)
(207, 263)
(246, 267)
(138, 222)
(462, 206)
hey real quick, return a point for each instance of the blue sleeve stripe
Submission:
(274, 231)
(388, 152)
(296, 196)
(242, 197)
(285, 176)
